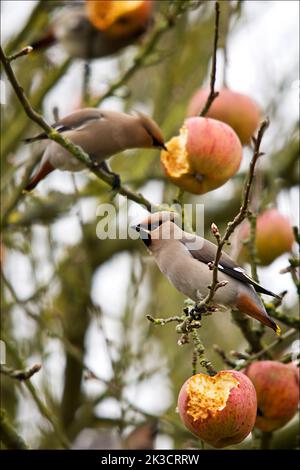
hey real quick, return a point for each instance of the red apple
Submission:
(274, 236)
(277, 388)
(203, 157)
(237, 110)
(221, 410)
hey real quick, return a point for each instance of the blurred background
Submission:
(77, 304)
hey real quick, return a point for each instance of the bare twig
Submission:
(213, 94)
(20, 375)
(294, 263)
(293, 322)
(199, 351)
(9, 436)
(287, 335)
(25, 51)
(19, 190)
(223, 356)
(140, 60)
(252, 336)
(44, 410)
(164, 321)
(251, 246)
(231, 226)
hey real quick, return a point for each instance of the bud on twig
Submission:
(214, 229)
(221, 284)
(25, 51)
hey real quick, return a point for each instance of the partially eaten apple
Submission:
(204, 155)
(119, 18)
(221, 410)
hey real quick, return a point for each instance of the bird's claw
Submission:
(116, 182)
(196, 313)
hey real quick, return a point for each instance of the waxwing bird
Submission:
(183, 258)
(73, 30)
(100, 134)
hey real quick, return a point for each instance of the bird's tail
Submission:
(43, 171)
(252, 305)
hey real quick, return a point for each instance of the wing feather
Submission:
(76, 120)
(226, 265)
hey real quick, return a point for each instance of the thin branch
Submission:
(139, 60)
(19, 190)
(164, 321)
(199, 351)
(287, 335)
(44, 410)
(20, 375)
(252, 336)
(25, 51)
(213, 94)
(231, 226)
(222, 354)
(9, 436)
(293, 322)
(251, 246)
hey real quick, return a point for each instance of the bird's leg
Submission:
(107, 171)
(195, 312)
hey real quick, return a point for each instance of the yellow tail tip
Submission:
(278, 330)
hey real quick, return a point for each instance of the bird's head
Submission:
(153, 134)
(147, 228)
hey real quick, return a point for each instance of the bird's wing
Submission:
(226, 265)
(75, 121)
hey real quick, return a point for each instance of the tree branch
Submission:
(140, 58)
(213, 94)
(20, 375)
(287, 335)
(25, 51)
(9, 436)
(238, 219)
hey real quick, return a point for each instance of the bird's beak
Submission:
(163, 146)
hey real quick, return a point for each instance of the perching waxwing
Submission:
(101, 134)
(81, 39)
(184, 259)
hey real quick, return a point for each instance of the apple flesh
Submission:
(205, 155)
(274, 236)
(235, 109)
(221, 410)
(119, 19)
(277, 389)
